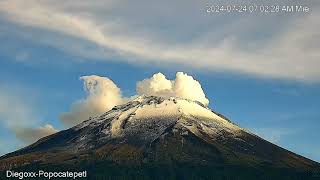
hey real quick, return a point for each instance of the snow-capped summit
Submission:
(148, 117)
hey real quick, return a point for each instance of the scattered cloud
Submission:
(30, 135)
(103, 94)
(235, 44)
(18, 116)
(14, 111)
(274, 134)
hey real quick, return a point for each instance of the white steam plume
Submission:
(184, 86)
(103, 94)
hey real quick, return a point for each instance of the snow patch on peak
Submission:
(158, 110)
(147, 117)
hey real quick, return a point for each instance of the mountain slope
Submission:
(153, 137)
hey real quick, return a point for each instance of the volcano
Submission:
(161, 138)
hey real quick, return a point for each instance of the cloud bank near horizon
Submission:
(30, 135)
(103, 94)
(17, 116)
(269, 46)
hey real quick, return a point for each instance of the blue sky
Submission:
(259, 70)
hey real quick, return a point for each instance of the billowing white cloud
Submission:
(18, 117)
(31, 135)
(183, 86)
(102, 95)
(250, 44)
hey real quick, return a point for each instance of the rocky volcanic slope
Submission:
(161, 138)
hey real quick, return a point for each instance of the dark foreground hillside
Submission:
(173, 157)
